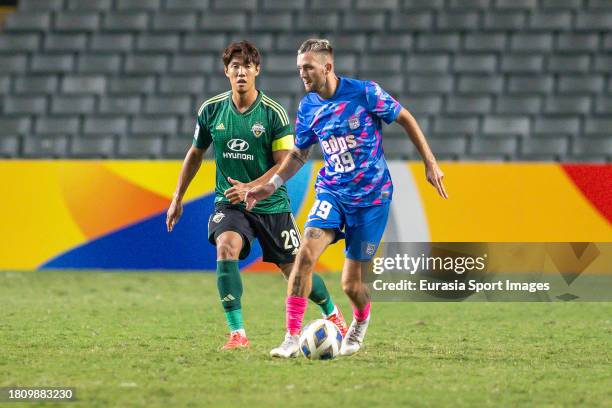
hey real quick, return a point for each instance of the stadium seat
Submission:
(222, 21)
(190, 84)
(506, 125)
(14, 63)
(140, 146)
(468, 104)
(10, 146)
(483, 42)
(581, 83)
(363, 21)
(12, 125)
(156, 124)
(427, 63)
(195, 64)
(567, 104)
(177, 146)
(94, 146)
(455, 125)
(52, 63)
(90, 5)
(175, 21)
(503, 20)
(25, 105)
(99, 63)
(76, 21)
(61, 42)
(522, 104)
(168, 105)
(105, 125)
(146, 63)
(283, 5)
(25, 21)
(520, 63)
(271, 22)
(72, 104)
(443, 42)
(40, 5)
(144, 5)
(136, 84)
(506, 146)
(120, 104)
(56, 125)
(19, 42)
(188, 5)
(158, 42)
(539, 147)
(530, 83)
(319, 21)
(112, 42)
(459, 20)
(39, 84)
(398, 149)
(55, 146)
(560, 125)
(84, 84)
(125, 21)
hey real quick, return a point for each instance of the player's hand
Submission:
(257, 194)
(435, 175)
(174, 213)
(237, 192)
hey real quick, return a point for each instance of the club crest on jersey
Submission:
(258, 129)
(218, 217)
(370, 249)
(353, 123)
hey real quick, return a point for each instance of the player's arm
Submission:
(292, 163)
(432, 171)
(237, 193)
(191, 165)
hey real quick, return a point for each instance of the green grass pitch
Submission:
(151, 339)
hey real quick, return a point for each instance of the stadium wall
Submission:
(111, 214)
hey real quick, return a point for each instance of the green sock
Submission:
(234, 319)
(320, 295)
(229, 284)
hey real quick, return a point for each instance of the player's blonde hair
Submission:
(319, 45)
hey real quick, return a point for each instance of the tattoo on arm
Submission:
(300, 155)
(313, 233)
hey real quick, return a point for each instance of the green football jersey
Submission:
(244, 143)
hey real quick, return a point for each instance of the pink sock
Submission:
(363, 314)
(296, 307)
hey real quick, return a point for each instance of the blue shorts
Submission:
(363, 226)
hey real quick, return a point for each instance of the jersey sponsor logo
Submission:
(220, 126)
(353, 123)
(258, 129)
(238, 145)
(218, 217)
(338, 144)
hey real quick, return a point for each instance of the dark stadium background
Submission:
(487, 79)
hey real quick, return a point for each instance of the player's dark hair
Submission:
(246, 49)
(316, 45)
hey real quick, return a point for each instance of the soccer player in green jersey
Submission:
(251, 135)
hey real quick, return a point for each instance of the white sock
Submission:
(241, 331)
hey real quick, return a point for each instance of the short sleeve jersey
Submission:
(244, 143)
(349, 128)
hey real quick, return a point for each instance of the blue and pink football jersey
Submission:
(348, 127)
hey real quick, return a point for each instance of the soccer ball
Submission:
(320, 340)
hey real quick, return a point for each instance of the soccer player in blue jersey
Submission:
(353, 189)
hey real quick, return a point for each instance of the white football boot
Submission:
(354, 337)
(289, 348)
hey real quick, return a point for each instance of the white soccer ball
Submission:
(320, 340)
